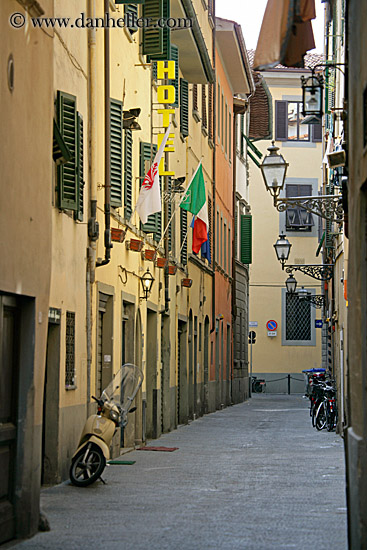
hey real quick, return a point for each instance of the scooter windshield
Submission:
(124, 386)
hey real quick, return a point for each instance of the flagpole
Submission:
(167, 226)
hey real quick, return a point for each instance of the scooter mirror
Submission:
(133, 409)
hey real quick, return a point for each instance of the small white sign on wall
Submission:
(272, 333)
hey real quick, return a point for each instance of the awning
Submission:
(286, 34)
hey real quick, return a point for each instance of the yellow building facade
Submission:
(290, 342)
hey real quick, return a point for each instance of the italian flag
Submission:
(194, 201)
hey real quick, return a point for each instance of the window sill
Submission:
(300, 144)
(204, 131)
(71, 387)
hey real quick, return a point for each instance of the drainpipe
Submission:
(92, 221)
(107, 133)
(213, 185)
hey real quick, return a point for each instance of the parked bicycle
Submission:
(322, 394)
(258, 385)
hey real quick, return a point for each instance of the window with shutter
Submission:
(297, 218)
(80, 168)
(116, 152)
(289, 126)
(210, 112)
(242, 135)
(195, 97)
(67, 174)
(152, 40)
(156, 42)
(281, 128)
(329, 241)
(246, 238)
(204, 120)
(183, 239)
(176, 82)
(184, 107)
(154, 222)
(128, 174)
(218, 111)
(225, 246)
(230, 136)
(131, 14)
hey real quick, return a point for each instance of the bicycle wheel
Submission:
(87, 466)
(313, 413)
(320, 420)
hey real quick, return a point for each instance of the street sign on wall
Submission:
(272, 326)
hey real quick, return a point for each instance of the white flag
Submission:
(149, 200)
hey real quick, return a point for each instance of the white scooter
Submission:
(89, 460)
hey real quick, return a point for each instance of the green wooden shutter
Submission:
(329, 241)
(67, 176)
(183, 227)
(165, 51)
(152, 40)
(236, 229)
(131, 9)
(176, 83)
(116, 152)
(128, 174)
(154, 221)
(246, 238)
(184, 107)
(80, 167)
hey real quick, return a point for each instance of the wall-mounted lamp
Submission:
(129, 119)
(274, 169)
(282, 249)
(312, 88)
(147, 281)
(291, 284)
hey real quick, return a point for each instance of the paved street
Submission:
(255, 476)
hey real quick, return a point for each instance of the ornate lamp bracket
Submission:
(316, 271)
(316, 300)
(328, 207)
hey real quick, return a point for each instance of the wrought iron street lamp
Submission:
(147, 281)
(282, 249)
(291, 284)
(322, 272)
(312, 91)
(274, 169)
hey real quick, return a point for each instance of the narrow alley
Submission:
(254, 476)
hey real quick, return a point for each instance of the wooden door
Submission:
(9, 376)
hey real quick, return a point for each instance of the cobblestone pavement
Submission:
(254, 476)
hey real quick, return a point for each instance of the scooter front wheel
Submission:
(87, 466)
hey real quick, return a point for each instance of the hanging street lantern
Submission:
(147, 281)
(291, 284)
(274, 169)
(312, 88)
(282, 249)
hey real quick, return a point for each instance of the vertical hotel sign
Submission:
(166, 96)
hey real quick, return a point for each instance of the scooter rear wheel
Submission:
(87, 466)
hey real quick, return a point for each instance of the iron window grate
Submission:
(298, 318)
